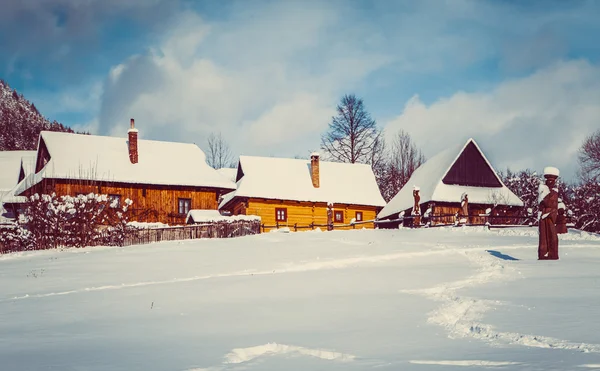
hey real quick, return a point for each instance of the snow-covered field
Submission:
(437, 299)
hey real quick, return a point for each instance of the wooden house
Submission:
(14, 166)
(163, 179)
(295, 193)
(444, 180)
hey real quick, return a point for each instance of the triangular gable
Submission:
(437, 179)
(472, 169)
(240, 172)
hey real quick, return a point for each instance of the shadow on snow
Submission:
(500, 255)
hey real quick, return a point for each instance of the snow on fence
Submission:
(224, 229)
(496, 221)
(139, 236)
(443, 220)
(297, 227)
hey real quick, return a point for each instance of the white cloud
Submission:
(269, 85)
(268, 76)
(532, 122)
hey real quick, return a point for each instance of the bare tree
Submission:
(352, 135)
(589, 157)
(404, 159)
(379, 162)
(218, 154)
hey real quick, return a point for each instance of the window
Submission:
(338, 216)
(114, 201)
(359, 217)
(281, 215)
(185, 204)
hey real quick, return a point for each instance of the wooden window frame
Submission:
(111, 197)
(357, 218)
(179, 205)
(335, 216)
(285, 214)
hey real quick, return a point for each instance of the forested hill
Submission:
(21, 122)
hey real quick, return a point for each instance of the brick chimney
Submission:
(314, 169)
(133, 143)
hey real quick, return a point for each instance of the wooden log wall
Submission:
(151, 203)
(304, 214)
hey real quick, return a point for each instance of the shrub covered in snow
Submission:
(526, 184)
(586, 206)
(49, 221)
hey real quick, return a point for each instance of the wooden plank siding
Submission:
(151, 203)
(300, 213)
(444, 214)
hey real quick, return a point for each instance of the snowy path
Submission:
(290, 268)
(461, 315)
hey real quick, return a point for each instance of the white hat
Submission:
(416, 188)
(549, 170)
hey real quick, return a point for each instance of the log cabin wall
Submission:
(302, 213)
(151, 203)
(500, 214)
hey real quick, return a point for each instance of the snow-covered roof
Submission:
(208, 216)
(10, 165)
(228, 172)
(428, 177)
(102, 158)
(290, 179)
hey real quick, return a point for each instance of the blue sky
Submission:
(521, 77)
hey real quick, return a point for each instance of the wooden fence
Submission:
(443, 220)
(330, 227)
(193, 231)
(452, 219)
(135, 236)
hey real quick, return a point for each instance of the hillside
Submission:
(21, 122)
(425, 300)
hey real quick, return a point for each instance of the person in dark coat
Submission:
(548, 202)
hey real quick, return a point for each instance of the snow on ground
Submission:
(429, 299)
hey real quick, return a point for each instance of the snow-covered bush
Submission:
(50, 221)
(586, 206)
(525, 184)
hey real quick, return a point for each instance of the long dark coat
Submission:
(548, 247)
(561, 222)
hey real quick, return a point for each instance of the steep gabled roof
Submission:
(290, 179)
(439, 180)
(101, 158)
(10, 166)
